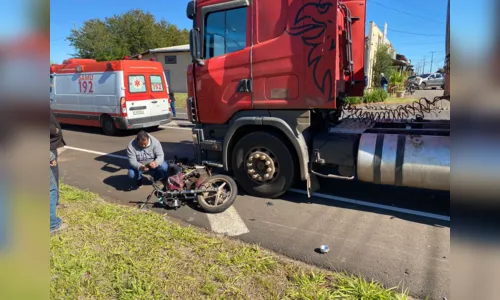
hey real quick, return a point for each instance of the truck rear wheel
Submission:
(263, 165)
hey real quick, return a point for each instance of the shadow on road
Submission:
(425, 201)
(98, 131)
(119, 167)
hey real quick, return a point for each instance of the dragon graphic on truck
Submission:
(313, 23)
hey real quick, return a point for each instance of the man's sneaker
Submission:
(59, 229)
(139, 183)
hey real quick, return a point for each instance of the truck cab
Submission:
(274, 55)
(266, 90)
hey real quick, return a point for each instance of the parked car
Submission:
(429, 80)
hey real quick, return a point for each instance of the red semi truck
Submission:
(266, 92)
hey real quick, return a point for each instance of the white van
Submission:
(114, 95)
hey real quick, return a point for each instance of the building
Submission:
(175, 61)
(375, 38)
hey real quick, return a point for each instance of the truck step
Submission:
(212, 145)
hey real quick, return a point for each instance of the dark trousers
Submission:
(172, 107)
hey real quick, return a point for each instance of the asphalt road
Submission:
(394, 235)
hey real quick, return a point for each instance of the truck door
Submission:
(223, 83)
(138, 100)
(296, 54)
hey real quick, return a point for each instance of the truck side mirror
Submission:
(194, 46)
(190, 10)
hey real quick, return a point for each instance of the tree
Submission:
(440, 70)
(127, 34)
(383, 63)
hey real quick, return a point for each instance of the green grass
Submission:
(390, 100)
(118, 252)
(180, 100)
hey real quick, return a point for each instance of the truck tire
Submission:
(108, 126)
(249, 149)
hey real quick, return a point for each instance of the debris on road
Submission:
(324, 249)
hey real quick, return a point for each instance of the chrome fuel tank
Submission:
(419, 161)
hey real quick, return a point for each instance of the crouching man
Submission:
(145, 155)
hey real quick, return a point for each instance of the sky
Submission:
(415, 28)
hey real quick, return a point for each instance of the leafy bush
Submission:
(376, 95)
(395, 80)
(383, 64)
(354, 100)
(398, 80)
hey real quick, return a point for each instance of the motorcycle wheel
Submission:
(217, 202)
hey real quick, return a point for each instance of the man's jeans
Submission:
(158, 173)
(172, 106)
(55, 221)
(55, 169)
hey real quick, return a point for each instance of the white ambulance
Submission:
(114, 95)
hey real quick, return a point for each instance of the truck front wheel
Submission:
(263, 165)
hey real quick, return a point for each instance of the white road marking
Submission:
(175, 127)
(97, 152)
(228, 222)
(60, 150)
(375, 205)
(319, 195)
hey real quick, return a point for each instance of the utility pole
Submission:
(432, 60)
(423, 68)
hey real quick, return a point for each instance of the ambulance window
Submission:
(136, 84)
(156, 83)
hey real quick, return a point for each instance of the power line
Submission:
(415, 33)
(404, 12)
(429, 43)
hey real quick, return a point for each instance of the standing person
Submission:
(172, 103)
(145, 154)
(383, 81)
(56, 141)
(56, 223)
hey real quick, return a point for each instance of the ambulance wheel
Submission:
(108, 126)
(263, 164)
